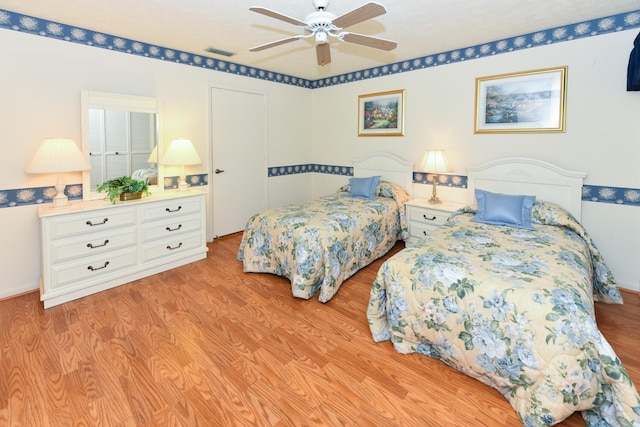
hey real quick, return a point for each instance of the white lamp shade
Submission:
(435, 162)
(57, 155)
(181, 153)
(153, 157)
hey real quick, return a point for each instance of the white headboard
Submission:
(389, 166)
(518, 175)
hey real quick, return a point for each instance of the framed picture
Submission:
(381, 114)
(531, 101)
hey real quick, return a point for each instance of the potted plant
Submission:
(124, 188)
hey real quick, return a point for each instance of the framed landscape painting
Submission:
(530, 101)
(381, 114)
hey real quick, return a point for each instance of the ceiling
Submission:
(420, 27)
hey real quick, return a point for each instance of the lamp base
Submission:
(60, 200)
(60, 203)
(182, 182)
(434, 200)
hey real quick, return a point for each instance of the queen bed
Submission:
(320, 243)
(504, 293)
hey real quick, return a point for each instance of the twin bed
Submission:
(503, 292)
(319, 244)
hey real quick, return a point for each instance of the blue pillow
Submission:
(364, 188)
(504, 209)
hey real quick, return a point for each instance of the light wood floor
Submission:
(208, 345)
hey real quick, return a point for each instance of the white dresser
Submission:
(423, 217)
(92, 246)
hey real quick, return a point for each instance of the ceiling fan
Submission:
(322, 25)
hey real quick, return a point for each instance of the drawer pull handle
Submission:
(174, 210)
(92, 268)
(91, 224)
(174, 229)
(175, 247)
(424, 233)
(428, 219)
(92, 246)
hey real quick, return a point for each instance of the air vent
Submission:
(219, 51)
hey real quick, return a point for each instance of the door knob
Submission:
(219, 170)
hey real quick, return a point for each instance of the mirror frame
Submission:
(114, 101)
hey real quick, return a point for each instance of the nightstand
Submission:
(423, 217)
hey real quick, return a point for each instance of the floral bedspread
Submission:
(512, 308)
(320, 243)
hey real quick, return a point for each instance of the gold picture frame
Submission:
(524, 102)
(381, 114)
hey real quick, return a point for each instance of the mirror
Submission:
(121, 136)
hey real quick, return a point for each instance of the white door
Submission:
(239, 164)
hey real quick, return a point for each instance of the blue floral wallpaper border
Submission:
(309, 168)
(615, 195)
(455, 181)
(458, 181)
(201, 180)
(40, 195)
(33, 25)
(590, 193)
(594, 27)
(41, 27)
(36, 196)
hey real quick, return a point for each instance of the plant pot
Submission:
(130, 196)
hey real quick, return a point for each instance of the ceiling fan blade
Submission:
(275, 43)
(277, 15)
(323, 52)
(362, 13)
(374, 42)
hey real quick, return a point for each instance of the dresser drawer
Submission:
(426, 216)
(171, 209)
(159, 229)
(84, 223)
(92, 244)
(65, 274)
(170, 246)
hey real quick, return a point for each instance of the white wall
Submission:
(40, 84)
(602, 134)
(41, 80)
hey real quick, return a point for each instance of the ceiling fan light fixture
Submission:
(321, 38)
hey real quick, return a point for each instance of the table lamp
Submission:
(181, 153)
(58, 155)
(435, 162)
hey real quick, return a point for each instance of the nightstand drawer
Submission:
(423, 218)
(419, 230)
(427, 216)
